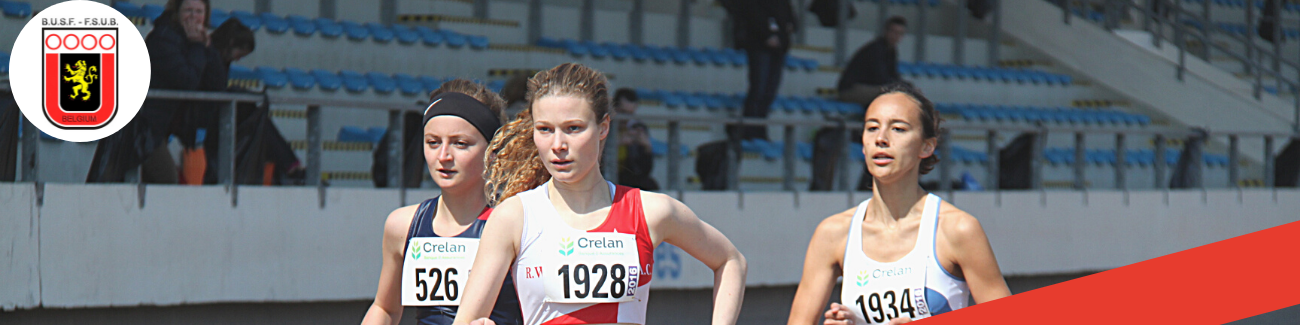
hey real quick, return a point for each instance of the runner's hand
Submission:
(838, 315)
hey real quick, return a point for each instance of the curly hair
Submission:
(486, 96)
(513, 164)
(930, 118)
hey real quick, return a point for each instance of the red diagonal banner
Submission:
(1213, 284)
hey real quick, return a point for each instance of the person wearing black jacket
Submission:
(180, 59)
(635, 156)
(874, 65)
(762, 29)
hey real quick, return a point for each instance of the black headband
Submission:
(466, 107)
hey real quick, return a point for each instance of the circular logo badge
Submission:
(79, 71)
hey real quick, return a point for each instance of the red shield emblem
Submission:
(79, 76)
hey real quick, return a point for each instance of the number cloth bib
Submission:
(435, 268)
(916, 286)
(569, 276)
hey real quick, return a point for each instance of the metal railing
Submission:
(1176, 18)
(226, 147)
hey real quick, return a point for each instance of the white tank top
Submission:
(916, 286)
(570, 276)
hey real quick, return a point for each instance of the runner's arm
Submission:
(387, 307)
(496, 253)
(682, 228)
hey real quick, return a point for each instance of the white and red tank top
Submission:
(571, 276)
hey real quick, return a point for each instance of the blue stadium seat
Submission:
(714, 102)
(454, 39)
(248, 18)
(275, 24)
(673, 100)
(774, 150)
(215, 19)
(240, 72)
(753, 145)
(150, 11)
(680, 55)
(354, 81)
(738, 57)
(272, 77)
(618, 52)
(431, 37)
(327, 80)
(660, 54)
(126, 8)
(329, 28)
(804, 150)
(380, 33)
(549, 42)
(597, 51)
(381, 82)
(302, 26)
(699, 56)
(4, 62)
(477, 42)
(405, 35)
(408, 84)
(855, 152)
(348, 133)
(17, 9)
(300, 79)
(637, 52)
(575, 47)
(430, 83)
(355, 31)
(693, 101)
(791, 62)
(736, 101)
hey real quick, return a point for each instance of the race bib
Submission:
(880, 294)
(592, 268)
(880, 307)
(435, 268)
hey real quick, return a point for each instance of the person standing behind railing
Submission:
(872, 67)
(635, 156)
(762, 29)
(181, 58)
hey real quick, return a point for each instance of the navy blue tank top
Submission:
(506, 311)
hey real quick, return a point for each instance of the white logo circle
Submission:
(71, 78)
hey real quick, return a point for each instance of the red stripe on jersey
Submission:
(596, 314)
(626, 216)
(487, 211)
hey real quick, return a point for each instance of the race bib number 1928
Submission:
(435, 269)
(593, 268)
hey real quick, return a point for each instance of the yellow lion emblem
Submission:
(83, 77)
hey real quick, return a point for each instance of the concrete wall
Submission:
(94, 246)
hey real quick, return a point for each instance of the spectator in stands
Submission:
(181, 58)
(514, 92)
(262, 155)
(874, 65)
(635, 157)
(762, 29)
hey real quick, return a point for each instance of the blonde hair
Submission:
(513, 164)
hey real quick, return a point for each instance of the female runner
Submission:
(428, 248)
(904, 254)
(581, 249)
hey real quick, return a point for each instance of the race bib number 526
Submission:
(434, 270)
